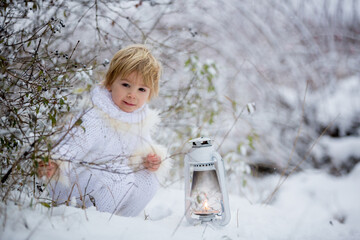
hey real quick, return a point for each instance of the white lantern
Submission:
(206, 196)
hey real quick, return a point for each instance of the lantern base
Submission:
(206, 216)
(205, 213)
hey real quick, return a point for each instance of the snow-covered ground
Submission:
(309, 205)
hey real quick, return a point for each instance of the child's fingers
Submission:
(48, 169)
(152, 162)
(41, 164)
(51, 170)
(41, 169)
(40, 172)
(153, 158)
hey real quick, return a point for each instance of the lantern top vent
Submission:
(201, 142)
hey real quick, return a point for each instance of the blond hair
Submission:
(135, 58)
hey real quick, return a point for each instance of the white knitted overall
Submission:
(100, 161)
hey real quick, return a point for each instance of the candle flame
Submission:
(206, 205)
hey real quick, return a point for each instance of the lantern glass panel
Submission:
(205, 193)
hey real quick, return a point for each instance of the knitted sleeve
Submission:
(75, 145)
(73, 152)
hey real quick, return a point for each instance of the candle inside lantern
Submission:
(206, 205)
(205, 193)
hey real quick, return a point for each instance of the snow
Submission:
(340, 104)
(339, 150)
(308, 205)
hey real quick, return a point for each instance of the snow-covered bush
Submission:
(36, 90)
(336, 114)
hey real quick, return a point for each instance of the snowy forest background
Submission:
(275, 83)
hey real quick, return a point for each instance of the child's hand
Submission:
(152, 162)
(47, 169)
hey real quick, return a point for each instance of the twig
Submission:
(34, 60)
(293, 148)
(35, 228)
(87, 184)
(68, 130)
(237, 218)
(297, 165)
(6, 176)
(206, 225)
(178, 225)
(72, 52)
(133, 184)
(230, 129)
(82, 16)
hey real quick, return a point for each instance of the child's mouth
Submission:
(129, 104)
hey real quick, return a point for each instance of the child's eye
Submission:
(125, 84)
(142, 89)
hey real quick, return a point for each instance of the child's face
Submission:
(129, 93)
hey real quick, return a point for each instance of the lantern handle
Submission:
(201, 142)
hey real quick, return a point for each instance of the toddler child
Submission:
(108, 159)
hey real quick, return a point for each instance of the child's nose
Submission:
(131, 94)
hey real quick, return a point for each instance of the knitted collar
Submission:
(101, 98)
